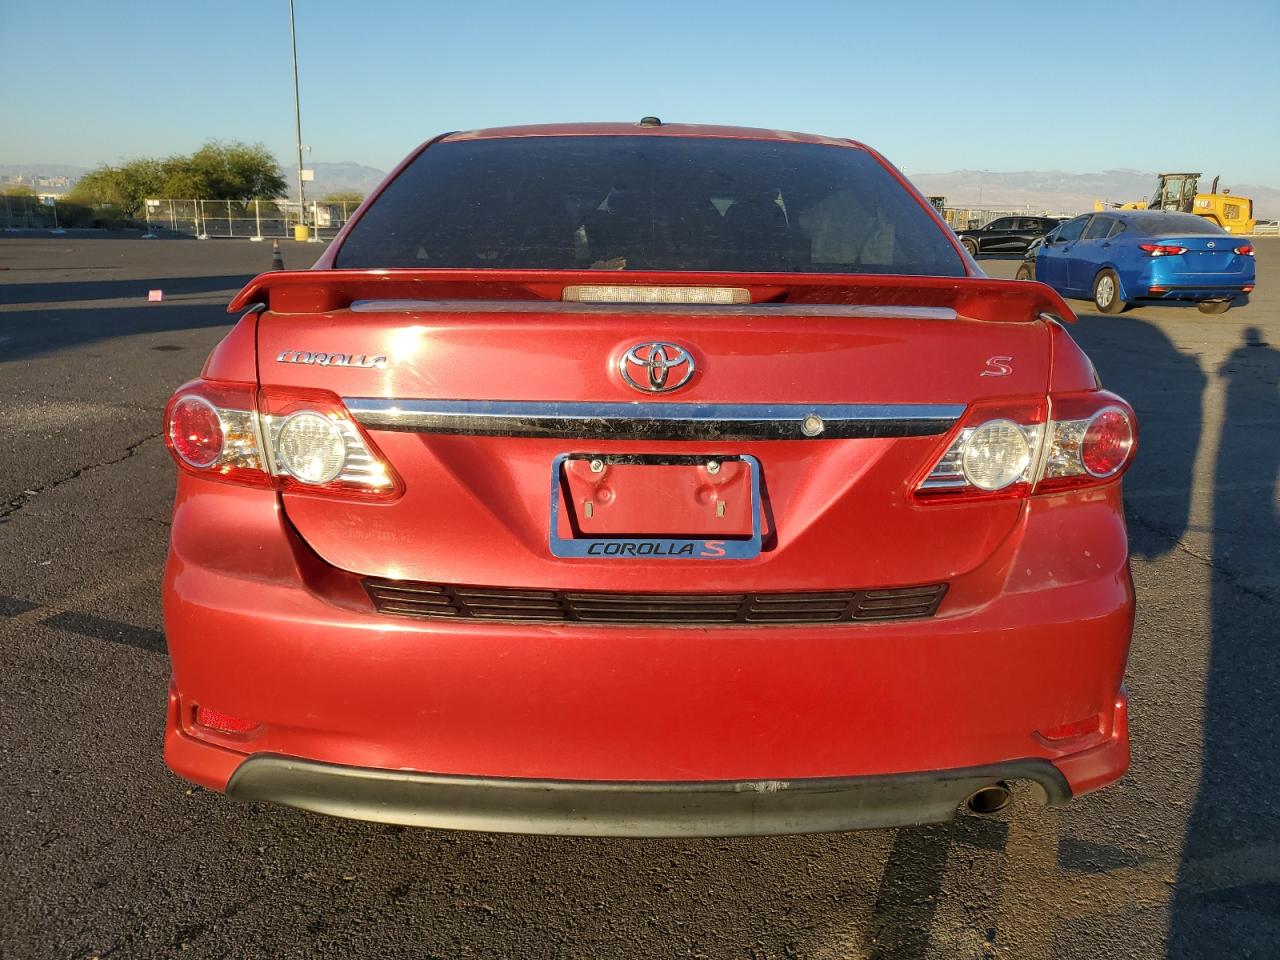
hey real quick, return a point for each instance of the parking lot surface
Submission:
(105, 854)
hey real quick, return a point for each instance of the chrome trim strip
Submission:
(656, 421)
(682, 309)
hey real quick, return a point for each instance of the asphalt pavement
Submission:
(103, 853)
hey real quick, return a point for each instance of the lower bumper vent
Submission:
(454, 602)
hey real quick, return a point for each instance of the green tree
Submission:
(343, 196)
(217, 171)
(179, 180)
(17, 190)
(125, 186)
(237, 171)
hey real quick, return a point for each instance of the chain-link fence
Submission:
(27, 213)
(278, 218)
(270, 219)
(249, 219)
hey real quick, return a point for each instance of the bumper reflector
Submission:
(1070, 731)
(222, 722)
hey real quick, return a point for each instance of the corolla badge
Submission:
(332, 359)
(656, 367)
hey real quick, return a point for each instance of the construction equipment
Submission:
(1179, 192)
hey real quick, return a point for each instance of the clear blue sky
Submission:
(1072, 85)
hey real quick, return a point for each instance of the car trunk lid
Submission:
(1204, 254)
(477, 390)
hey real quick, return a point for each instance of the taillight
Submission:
(195, 430)
(1014, 452)
(1160, 249)
(315, 445)
(994, 454)
(212, 429)
(1107, 442)
(1245, 250)
(293, 440)
(1093, 440)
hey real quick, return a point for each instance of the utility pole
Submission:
(297, 116)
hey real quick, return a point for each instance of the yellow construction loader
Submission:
(1179, 192)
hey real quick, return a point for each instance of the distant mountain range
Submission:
(336, 178)
(1051, 190)
(1040, 190)
(1057, 192)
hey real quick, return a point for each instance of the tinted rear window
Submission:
(1184, 224)
(649, 203)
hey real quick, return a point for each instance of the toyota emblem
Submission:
(656, 367)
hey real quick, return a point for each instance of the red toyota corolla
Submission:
(647, 480)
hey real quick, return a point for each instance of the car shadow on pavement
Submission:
(67, 291)
(26, 334)
(1227, 898)
(1137, 360)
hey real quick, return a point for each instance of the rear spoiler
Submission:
(973, 298)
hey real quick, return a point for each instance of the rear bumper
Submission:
(416, 721)
(608, 809)
(1164, 292)
(1171, 283)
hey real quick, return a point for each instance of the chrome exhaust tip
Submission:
(990, 799)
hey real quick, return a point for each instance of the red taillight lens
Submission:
(222, 722)
(1161, 249)
(212, 430)
(1245, 250)
(1107, 442)
(1093, 440)
(195, 431)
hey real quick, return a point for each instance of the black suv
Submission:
(1006, 235)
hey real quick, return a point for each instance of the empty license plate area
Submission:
(679, 507)
(703, 498)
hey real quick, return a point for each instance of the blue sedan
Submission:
(1123, 256)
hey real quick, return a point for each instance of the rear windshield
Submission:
(649, 203)
(1184, 224)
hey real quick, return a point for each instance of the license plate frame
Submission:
(654, 548)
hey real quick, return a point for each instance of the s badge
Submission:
(998, 367)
